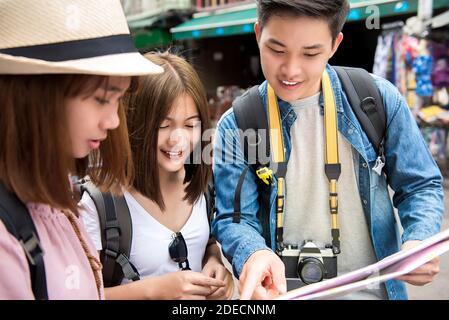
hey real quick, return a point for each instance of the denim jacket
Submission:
(410, 172)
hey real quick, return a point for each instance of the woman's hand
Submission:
(214, 268)
(185, 285)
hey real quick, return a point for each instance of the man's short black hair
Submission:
(332, 11)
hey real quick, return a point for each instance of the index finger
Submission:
(204, 280)
(249, 285)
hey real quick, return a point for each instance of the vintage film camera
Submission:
(309, 263)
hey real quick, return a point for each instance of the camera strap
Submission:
(332, 165)
(278, 159)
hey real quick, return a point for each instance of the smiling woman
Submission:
(167, 203)
(181, 119)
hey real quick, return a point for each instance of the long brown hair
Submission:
(35, 161)
(148, 108)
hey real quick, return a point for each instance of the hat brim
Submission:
(123, 64)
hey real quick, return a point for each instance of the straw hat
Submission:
(68, 36)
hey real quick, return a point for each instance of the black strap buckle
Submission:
(32, 248)
(279, 248)
(236, 217)
(336, 241)
(129, 271)
(368, 105)
(110, 253)
(332, 170)
(112, 230)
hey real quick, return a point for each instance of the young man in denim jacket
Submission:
(296, 39)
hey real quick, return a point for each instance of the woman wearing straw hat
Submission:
(64, 66)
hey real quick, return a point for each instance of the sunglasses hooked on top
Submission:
(178, 251)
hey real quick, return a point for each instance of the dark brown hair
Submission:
(148, 108)
(332, 11)
(35, 152)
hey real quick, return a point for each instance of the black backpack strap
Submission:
(238, 191)
(251, 118)
(18, 222)
(124, 221)
(367, 104)
(116, 236)
(210, 201)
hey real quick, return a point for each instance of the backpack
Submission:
(366, 103)
(116, 231)
(17, 220)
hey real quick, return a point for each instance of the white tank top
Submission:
(150, 239)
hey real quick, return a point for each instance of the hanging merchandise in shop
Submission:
(415, 57)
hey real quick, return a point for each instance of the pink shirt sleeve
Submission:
(15, 280)
(69, 275)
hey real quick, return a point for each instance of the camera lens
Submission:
(311, 270)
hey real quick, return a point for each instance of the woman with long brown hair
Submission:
(170, 247)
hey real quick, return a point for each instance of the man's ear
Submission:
(337, 42)
(257, 30)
